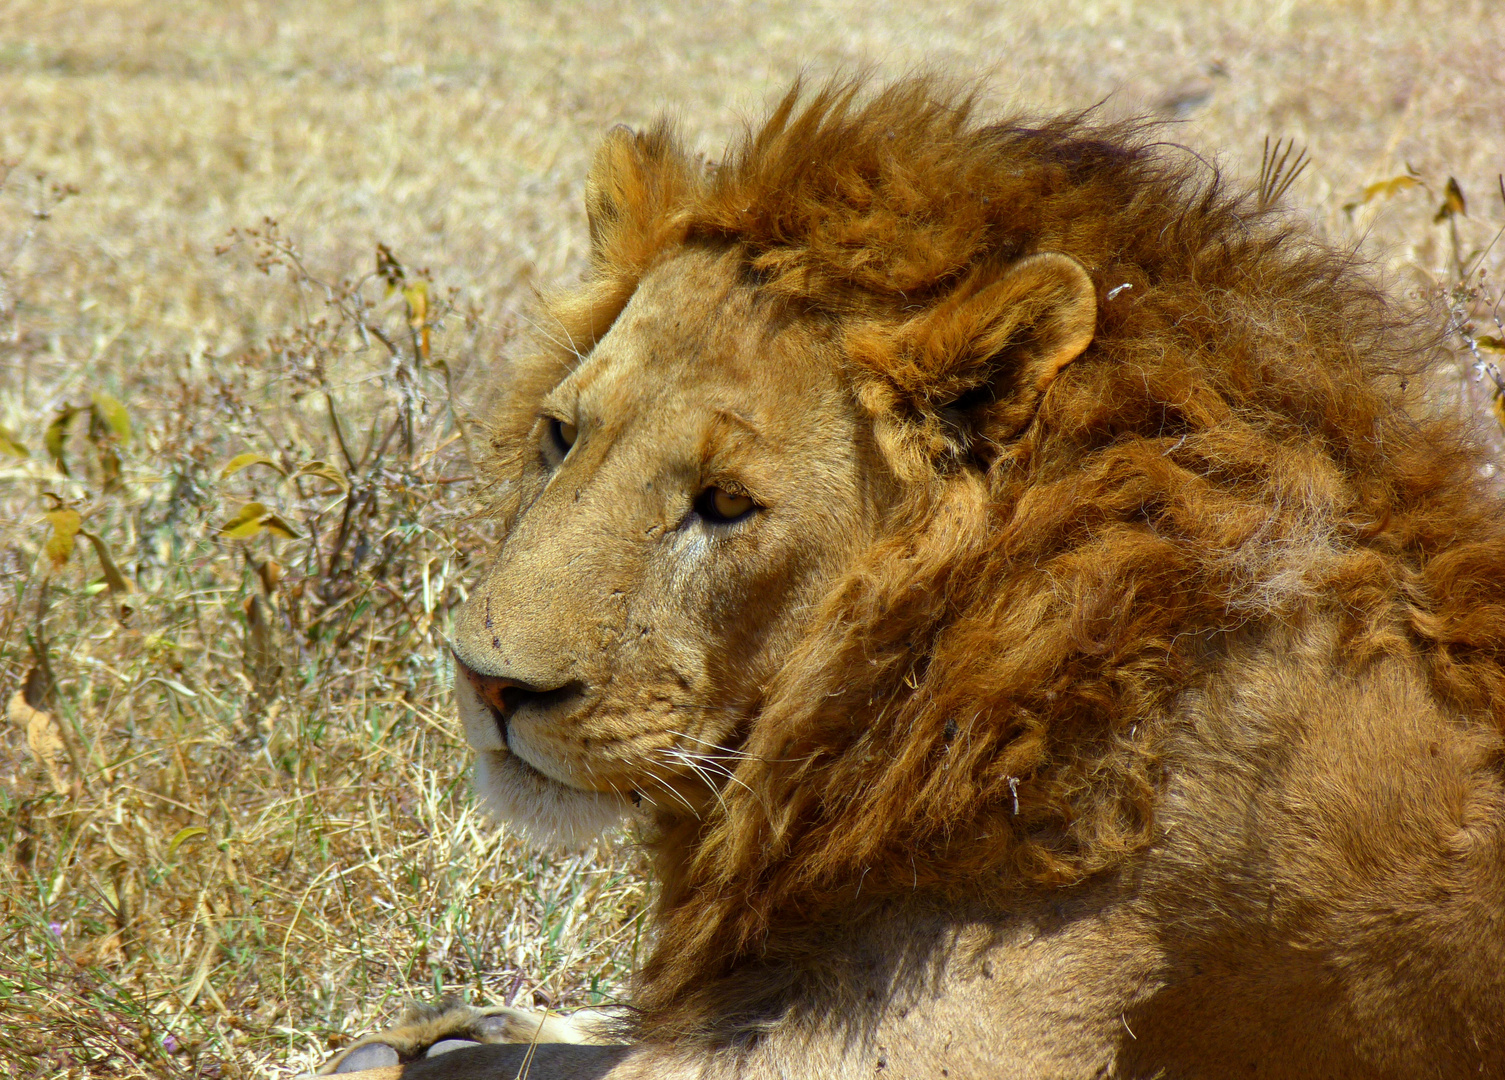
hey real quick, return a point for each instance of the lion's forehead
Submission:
(697, 357)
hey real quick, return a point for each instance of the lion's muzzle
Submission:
(506, 696)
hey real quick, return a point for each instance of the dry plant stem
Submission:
(339, 431)
(1277, 172)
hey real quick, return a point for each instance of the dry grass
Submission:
(256, 836)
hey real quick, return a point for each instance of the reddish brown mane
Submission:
(980, 704)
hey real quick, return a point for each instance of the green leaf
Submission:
(243, 461)
(183, 835)
(56, 436)
(109, 409)
(173, 685)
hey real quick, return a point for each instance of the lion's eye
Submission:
(719, 506)
(563, 435)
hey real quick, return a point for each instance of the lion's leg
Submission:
(550, 1061)
(584, 1027)
(426, 1032)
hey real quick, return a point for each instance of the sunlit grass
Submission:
(254, 830)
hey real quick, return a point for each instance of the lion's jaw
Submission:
(542, 810)
(614, 653)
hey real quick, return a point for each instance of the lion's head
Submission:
(882, 485)
(691, 484)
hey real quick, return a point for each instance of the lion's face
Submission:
(699, 478)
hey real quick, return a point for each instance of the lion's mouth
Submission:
(513, 706)
(504, 699)
(520, 715)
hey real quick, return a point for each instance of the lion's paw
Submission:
(428, 1031)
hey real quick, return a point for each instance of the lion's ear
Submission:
(635, 183)
(1023, 329)
(615, 177)
(977, 363)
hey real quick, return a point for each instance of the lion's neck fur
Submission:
(1211, 920)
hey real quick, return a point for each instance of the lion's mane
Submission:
(980, 704)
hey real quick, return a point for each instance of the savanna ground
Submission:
(236, 495)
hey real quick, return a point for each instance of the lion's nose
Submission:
(503, 695)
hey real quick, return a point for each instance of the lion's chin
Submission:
(543, 812)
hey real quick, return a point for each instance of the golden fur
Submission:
(1143, 649)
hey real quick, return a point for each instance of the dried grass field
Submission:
(236, 494)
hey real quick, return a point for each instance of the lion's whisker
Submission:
(705, 777)
(575, 349)
(651, 775)
(703, 766)
(700, 765)
(718, 748)
(571, 348)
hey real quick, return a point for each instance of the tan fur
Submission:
(1108, 681)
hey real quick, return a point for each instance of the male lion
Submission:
(1020, 593)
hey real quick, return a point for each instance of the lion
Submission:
(1017, 587)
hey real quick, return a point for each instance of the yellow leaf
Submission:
(251, 519)
(417, 296)
(184, 835)
(109, 409)
(1387, 188)
(324, 471)
(1382, 189)
(1452, 202)
(247, 522)
(117, 581)
(242, 461)
(1490, 342)
(9, 445)
(109, 466)
(65, 525)
(271, 575)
